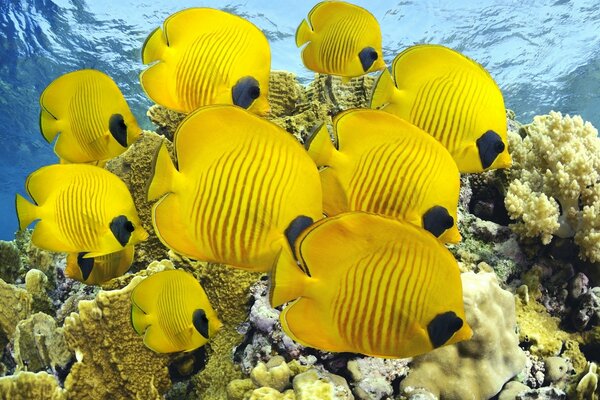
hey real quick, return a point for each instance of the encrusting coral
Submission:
(112, 360)
(479, 367)
(554, 188)
(29, 386)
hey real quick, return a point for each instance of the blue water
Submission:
(544, 55)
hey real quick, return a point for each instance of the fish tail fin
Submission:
(162, 175)
(72, 269)
(153, 46)
(139, 319)
(26, 211)
(303, 33)
(383, 90)
(286, 279)
(49, 126)
(319, 146)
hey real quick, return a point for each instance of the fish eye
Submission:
(254, 92)
(129, 226)
(499, 147)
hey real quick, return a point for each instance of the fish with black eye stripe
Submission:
(80, 208)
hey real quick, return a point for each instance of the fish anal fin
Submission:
(335, 199)
(171, 231)
(162, 175)
(320, 147)
(45, 236)
(384, 91)
(300, 320)
(153, 82)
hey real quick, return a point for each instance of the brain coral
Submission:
(476, 368)
(553, 188)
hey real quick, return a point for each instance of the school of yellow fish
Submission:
(352, 231)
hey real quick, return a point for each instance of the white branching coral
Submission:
(555, 182)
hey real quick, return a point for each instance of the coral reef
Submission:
(479, 367)
(39, 345)
(112, 361)
(10, 261)
(16, 306)
(134, 167)
(553, 187)
(29, 385)
(227, 289)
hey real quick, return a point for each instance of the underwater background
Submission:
(543, 54)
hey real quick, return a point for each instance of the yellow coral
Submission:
(112, 360)
(28, 386)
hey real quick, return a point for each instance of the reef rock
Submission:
(112, 360)
(30, 386)
(477, 368)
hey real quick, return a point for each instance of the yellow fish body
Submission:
(241, 181)
(387, 166)
(452, 98)
(207, 56)
(81, 208)
(97, 270)
(89, 114)
(171, 310)
(343, 39)
(372, 285)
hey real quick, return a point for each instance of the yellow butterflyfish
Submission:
(204, 56)
(89, 114)
(343, 39)
(171, 310)
(97, 270)
(385, 165)
(240, 182)
(451, 97)
(372, 285)
(80, 208)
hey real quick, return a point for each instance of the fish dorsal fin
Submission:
(324, 12)
(42, 183)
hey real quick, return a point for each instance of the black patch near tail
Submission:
(490, 145)
(245, 91)
(367, 56)
(442, 327)
(294, 230)
(85, 265)
(118, 129)
(200, 322)
(436, 220)
(121, 227)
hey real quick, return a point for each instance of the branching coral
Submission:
(555, 187)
